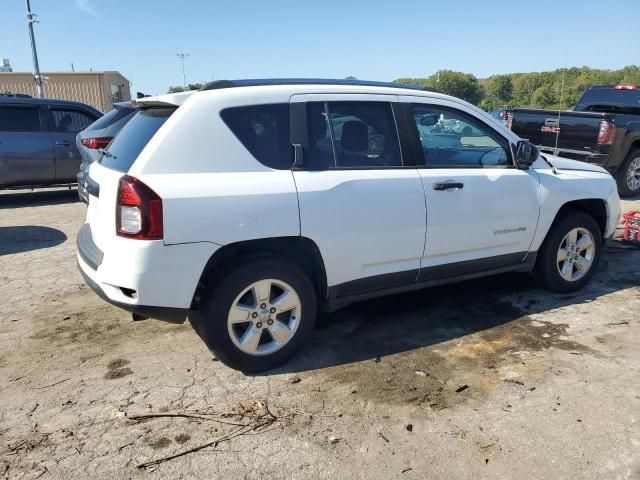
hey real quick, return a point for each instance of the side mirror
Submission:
(526, 154)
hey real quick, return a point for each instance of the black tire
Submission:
(621, 175)
(546, 270)
(210, 320)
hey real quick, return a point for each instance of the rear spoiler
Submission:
(168, 100)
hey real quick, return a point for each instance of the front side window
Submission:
(453, 139)
(18, 119)
(264, 131)
(352, 135)
(71, 121)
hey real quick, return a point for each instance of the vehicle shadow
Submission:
(410, 321)
(28, 237)
(38, 198)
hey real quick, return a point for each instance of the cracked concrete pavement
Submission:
(484, 379)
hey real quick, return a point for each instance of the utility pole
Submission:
(31, 19)
(182, 56)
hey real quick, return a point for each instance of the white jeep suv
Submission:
(248, 205)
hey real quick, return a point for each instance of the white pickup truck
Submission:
(248, 205)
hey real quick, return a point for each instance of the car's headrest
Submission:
(354, 136)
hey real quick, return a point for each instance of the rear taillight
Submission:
(509, 122)
(607, 133)
(138, 210)
(98, 142)
(625, 87)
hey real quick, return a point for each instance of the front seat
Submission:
(354, 144)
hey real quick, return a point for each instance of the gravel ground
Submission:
(484, 379)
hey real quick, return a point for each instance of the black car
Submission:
(603, 128)
(37, 140)
(93, 139)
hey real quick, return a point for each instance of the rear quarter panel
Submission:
(213, 189)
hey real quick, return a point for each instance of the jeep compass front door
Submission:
(482, 211)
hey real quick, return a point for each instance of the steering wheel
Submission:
(480, 162)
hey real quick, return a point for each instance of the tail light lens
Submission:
(138, 210)
(607, 133)
(625, 87)
(509, 122)
(95, 143)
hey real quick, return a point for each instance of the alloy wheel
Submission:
(576, 254)
(633, 175)
(264, 317)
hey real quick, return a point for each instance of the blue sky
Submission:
(375, 40)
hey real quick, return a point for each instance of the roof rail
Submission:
(16, 95)
(220, 84)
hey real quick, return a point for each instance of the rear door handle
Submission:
(64, 144)
(447, 185)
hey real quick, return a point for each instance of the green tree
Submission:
(544, 97)
(190, 86)
(500, 88)
(457, 84)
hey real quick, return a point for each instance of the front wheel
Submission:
(628, 176)
(570, 253)
(258, 315)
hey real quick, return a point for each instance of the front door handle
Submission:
(64, 143)
(447, 185)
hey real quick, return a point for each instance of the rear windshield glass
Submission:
(125, 148)
(598, 99)
(264, 131)
(109, 118)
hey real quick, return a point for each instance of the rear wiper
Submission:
(106, 153)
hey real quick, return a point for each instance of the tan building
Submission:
(99, 89)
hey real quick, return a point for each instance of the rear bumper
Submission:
(143, 277)
(167, 314)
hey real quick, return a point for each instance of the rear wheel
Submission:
(258, 315)
(628, 176)
(570, 253)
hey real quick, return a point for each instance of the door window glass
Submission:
(352, 134)
(16, 119)
(71, 121)
(454, 139)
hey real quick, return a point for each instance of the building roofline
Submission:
(95, 72)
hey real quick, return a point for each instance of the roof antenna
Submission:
(564, 71)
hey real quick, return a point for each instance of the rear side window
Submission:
(125, 148)
(264, 131)
(17, 119)
(598, 99)
(67, 120)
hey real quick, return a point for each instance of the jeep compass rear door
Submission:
(358, 200)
